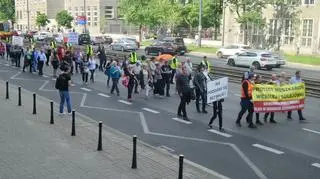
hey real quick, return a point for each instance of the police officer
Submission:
(206, 64)
(246, 104)
(133, 57)
(53, 44)
(89, 51)
(174, 65)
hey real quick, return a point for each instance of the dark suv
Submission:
(178, 43)
(84, 39)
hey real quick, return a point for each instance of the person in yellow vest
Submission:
(206, 64)
(246, 103)
(53, 44)
(174, 63)
(133, 57)
(89, 51)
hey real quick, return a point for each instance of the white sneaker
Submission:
(61, 114)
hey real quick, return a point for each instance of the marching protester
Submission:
(185, 93)
(246, 104)
(294, 80)
(166, 74)
(130, 80)
(92, 68)
(217, 112)
(63, 83)
(200, 83)
(257, 80)
(27, 59)
(54, 62)
(248, 73)
(85, 70)
(42, 58)
(102, 57)
(115, 74)
(137, 72)
(274, 81)
(206, 64)
(158, 81)
(107, 71)
(174, 63)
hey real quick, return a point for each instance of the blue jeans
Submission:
(64, 96)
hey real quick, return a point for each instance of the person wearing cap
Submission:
(206, 64)
(294, 80)
(246, 103)
(248, 73)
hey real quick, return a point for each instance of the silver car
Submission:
(123, 45)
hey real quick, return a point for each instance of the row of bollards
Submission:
(73, 129)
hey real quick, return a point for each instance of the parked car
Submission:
(131, 39)
(40, 36)
(58, 38)
(124, 45)
(108, 40)
(178, 43)
(232, 50)
(257, 58)
(97, 40)
(280, 59)
(159, 47)
(84, 39)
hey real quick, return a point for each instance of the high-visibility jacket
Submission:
(174, 63)
(207, 65)
(133, 57)
(89, 50)
(250, 89)
(53, 44)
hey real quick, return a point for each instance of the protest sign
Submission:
(217, 89)
(73, 37)
(274, 98)
(16, 40)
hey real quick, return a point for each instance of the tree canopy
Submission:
(42, 20)
(7, 11)
(64, 19)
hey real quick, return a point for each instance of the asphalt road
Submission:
(288, 149)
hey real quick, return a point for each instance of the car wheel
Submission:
(269, 68)
(219, 54)
(231, 62)
(278, 66)
(256, 65)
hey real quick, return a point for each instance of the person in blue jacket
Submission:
(115, 74)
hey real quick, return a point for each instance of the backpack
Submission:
(59, 82)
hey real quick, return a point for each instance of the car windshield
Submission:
(267, 55)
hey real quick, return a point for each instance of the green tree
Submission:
(248, 13)
(7, 10)
(42, 20)
(64, 19)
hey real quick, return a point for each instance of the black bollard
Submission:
(19, 96)
(180, 166)
(34, 104)
(100, 137)
(73, 127)
(134, 154)
(7, 89)
(51, 113)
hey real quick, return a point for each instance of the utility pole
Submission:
(223, 22)
(28, 16)
(85, 15)
(200, 24)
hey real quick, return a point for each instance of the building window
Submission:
(76, 8)
(119, 16)
(308, 2)
(288, 32)
(307, 27)
(95, 24)
(95, 13)
(89, 23)
(95, 19)
(88, 8)
(88, 13)
(89, 18)
(109, 12)
(95, 8)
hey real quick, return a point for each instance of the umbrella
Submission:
(165, 57)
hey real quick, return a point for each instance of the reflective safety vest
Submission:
(133, 58)
(250, 89)
(89, 50)
(174, 63)
(207, 65)
(53, 44)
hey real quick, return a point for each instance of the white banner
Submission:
(73, 37)
(16, 40)
(217, 89)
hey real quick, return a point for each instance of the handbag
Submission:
(125, 81)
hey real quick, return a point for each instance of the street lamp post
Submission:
(223, 22)
(200, 24)
(28, 16)
(85, 15)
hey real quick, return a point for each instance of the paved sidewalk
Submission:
(32, 148)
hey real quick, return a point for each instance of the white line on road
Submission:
(124, 102)
(181, 120)
(309, 130)
(86, 89)
(45, 76)
(168, 149)
(103, 95)
(54, 79)
(220, 133)
(150, 110)
(316, 165)
(268, 149)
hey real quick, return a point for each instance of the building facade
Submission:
(296, 37)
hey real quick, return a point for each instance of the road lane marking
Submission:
(168, 149)
(45, 76)
(124, 102)
(103, 95)
(54, 79)
(268, 149)
(181, 120)
(316, 165)
(220, 133)
(86, 89)
(151, 110)
(309, 130)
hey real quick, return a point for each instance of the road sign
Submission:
(82, 20)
